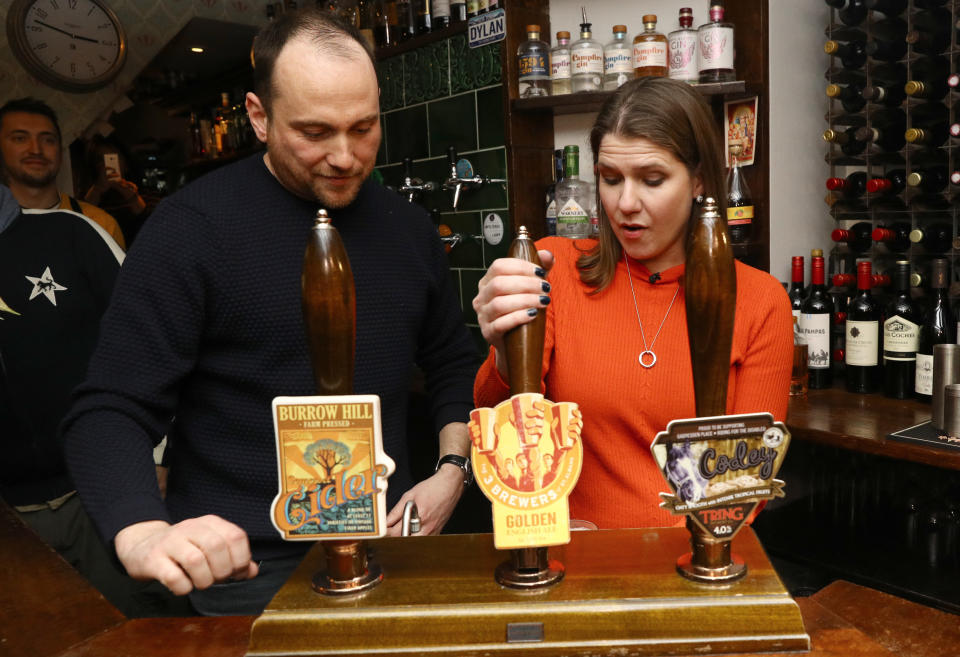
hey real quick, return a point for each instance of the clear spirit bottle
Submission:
(533, 58)
(617, 59)
(650, 50)
(573, 198)
(715, 48)
(683, 49)
(560, 65)
(586, 60)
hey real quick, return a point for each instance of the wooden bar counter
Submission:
(48, 610)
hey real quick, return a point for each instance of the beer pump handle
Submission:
(329, 308)
(525, 343)
(710, 289)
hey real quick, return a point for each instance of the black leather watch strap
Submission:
(461, 462)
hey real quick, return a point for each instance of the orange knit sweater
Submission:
(590, 357)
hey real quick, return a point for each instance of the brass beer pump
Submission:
(329, 313)
(710, 290)
(528, 568)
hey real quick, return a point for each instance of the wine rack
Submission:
(913, 206)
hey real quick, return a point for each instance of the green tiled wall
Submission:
(447, 94)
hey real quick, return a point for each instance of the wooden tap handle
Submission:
(329, 308)
(525, 343)
(710, 289)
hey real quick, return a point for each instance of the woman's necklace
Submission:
(647, 352)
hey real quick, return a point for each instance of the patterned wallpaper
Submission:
(149, 25)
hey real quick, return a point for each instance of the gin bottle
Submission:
(586, 60)
(650, 50)
(560, 65)
(617, 59)
(683, 49)
(573, 198)
(715, 47)
(533, 56)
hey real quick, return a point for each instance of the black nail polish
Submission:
(532, 312)
(545, 286)
(540, 272)
(545, 300)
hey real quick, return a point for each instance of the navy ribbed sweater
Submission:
(205, 326)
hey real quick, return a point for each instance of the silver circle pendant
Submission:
(652, 355)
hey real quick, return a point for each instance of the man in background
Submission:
(31, 152)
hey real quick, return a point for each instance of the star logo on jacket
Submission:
(4, 308)
(46, 286)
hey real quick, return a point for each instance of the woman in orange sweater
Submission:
(616, 338)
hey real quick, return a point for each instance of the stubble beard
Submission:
(311, 189)
(20, 176)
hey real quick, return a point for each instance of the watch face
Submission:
(70, 44)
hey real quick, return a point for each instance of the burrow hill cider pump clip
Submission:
(330, 460)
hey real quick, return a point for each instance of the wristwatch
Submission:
(461, 462)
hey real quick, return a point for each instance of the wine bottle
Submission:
(931, 31)
(887, 139)
(847, 140)
(929, 114)
(931, 137)
(423, 19)
(458, 11)
(895, 237)
(929, 4)
(796, 284)
(886, 50)
(814, 323)
(858, 238)
(891, 28)
(930, 180)
(843, 280)
(852, 12)
(887, 7)
(890, 184)
(937, 327)
(928, 78)
(441, 14)
(890, 95)
(935, 238)
(852, 186)
(852, 55)
(850, 96)
(862, 353)
(739, 201)
(901, 334)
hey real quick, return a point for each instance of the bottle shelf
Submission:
(592, 101)
(414, 42)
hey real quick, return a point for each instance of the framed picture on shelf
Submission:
(740, 127)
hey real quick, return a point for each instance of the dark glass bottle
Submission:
(441, 14)
(887, 140)
(930, 180)
(928, 78)
(929, 4)
(796, 284)
(739, 204)
(851, 55)
(423, 18)
(931, 31)
(887, 7)
(931, 137)
(406, 20)
(862, 352)
(847, 140)
(890, 184)
(890, 95)
(458, 11)
(886, 50)
(858, 238)
(896, 237)
(814, 325)
(850, 96)
(853, 186)
(935, 238)
(901, 334)
(937, 328)
(851, 12)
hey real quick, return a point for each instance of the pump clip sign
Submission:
(721, 468)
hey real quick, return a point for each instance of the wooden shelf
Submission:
(591, 101)
(420, 40)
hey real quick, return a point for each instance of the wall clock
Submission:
(73, 45)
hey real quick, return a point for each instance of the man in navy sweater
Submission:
(205, 328)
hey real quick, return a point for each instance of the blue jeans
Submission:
(245, 597)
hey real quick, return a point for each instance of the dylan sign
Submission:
(487, 28)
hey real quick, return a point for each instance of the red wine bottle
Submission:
(890, 184)
(888, 140)
(931, 31)
(858, 238)
(901, 336)
(937, 328)
(886, 50)
(862, 352)
(928, 78)
(852, 54)
(890, 95)
(931, 137)
(850, 96)
(814, 325)
(935, 238)
(850, 12)
(896, 237)
(852, 186)
(847, 140)
(929, 180)
(796, 284)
